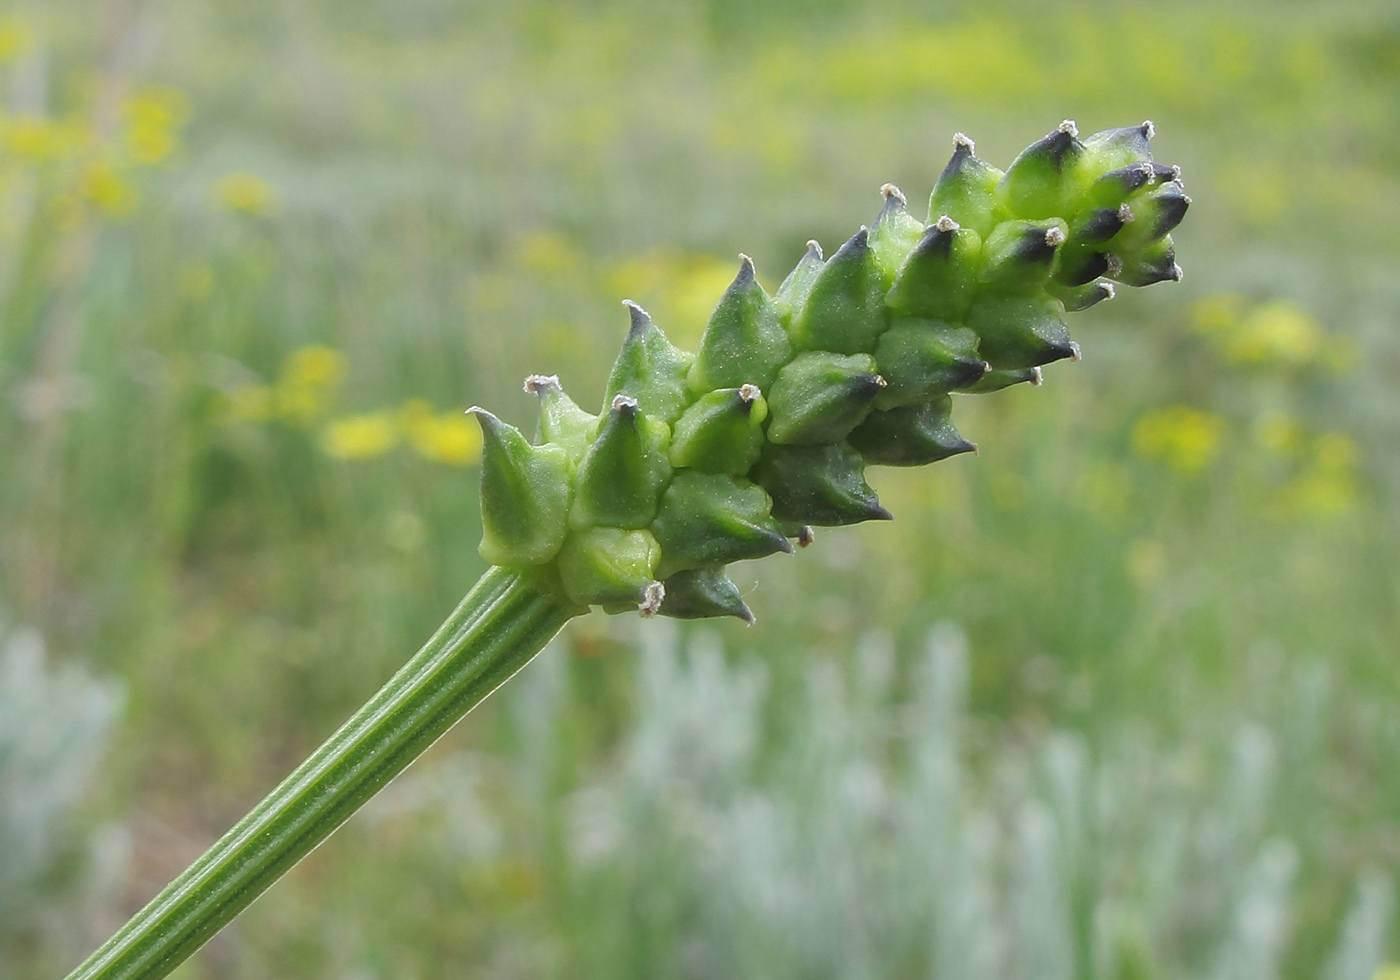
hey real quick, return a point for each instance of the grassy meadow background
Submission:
(1118, 698)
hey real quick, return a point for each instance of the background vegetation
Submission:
(1116, 699)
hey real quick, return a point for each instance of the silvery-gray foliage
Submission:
(871, 836)
(54, 723)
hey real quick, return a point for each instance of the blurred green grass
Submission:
(448, 197)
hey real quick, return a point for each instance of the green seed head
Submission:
(844, 310)
(701, 460)
(745, 342)
(722, 432)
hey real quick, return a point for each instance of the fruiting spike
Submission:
(623, 472)
(791, 296)
(524, 495)
(967, 190)
(894, 233)
(1018, 255)
(722, 432)
(736, 452)
(1110, 149)
(1020, 332)
(1039, 181)
(938, 278)
(1000, 378)
(1155, 262)
(821, 485)
(820, 397)
(922, 359)
(1081, 297)
(562, 422)
(844, 311)
(608, 566)
(744, 342)
(702, 593)
(1113, 188)
(1100, 225)
(713, 519)
(650, 369)
(1158, 210)
(912, 435)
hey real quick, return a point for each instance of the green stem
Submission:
(497, 628)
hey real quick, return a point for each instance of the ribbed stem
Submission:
(497, 628)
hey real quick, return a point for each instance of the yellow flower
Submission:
(152, 116)
(37, 139)
(246, 192)
(1186, 438)
(1217, 315)
(360, 436)
(1280, 332)
(314, 364)
(1320, 495)
(309, 384)
(548, 254)
(449, 438)
(14, 38)
(107, 189)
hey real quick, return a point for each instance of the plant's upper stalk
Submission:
(700, 460)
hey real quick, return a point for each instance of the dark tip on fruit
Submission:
(855, 246)
(1127, 179)
(1058, 143)
(1172, 205)
(864, 387)
(962, 156)
(892, 193)
(1163, 172)
(807, 535)
(1088, 267)
(1148, 130)
(937, 237)
(814, 248)
(1040, 244)
(748, 393)
(746, 271)
(970, 370)
(1103, 223)
(641, 319)
(879, 513)
(625, 405)
(1037, 377)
